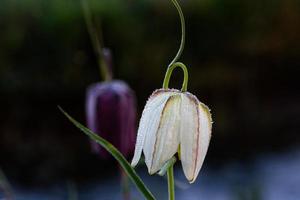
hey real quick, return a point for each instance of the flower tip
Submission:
(191, 181)
(151, 171)
(134, 162)
(191, 178)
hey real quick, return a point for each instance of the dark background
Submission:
(243, 59)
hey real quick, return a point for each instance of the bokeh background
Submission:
(243, 58)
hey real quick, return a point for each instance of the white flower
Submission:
(173, 119)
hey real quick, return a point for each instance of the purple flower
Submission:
(111, 113)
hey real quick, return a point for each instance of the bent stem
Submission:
(171, 188)
(174, 62)
(169, 73)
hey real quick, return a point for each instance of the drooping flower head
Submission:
(111, 112)
(173, 120)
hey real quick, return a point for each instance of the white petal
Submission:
(148, 126)
(167, 136)
(189, 129)
(204, 136)
(153, 124)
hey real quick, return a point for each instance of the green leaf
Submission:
(116, 154)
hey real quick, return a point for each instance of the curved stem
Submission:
(103, 66)
(169, 73)
(171, 188)
(182, 21)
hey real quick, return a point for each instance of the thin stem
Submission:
(103, 66)
(169, 73)
(182, 43)
(72, 191)
(125, 187)
(171, 188)
(5, 186)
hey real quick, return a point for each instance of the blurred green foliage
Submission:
(144, 36)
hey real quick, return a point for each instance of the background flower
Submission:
(111, 113)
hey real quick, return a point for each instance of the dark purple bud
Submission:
(111, 113)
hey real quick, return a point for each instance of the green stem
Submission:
(169, 73)
(182, 21)
(103, 66)
(125, 187)
(5, 186)
(171, 188)
(174, 62)
(116, 154)
(168, 167)
(72, 191)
